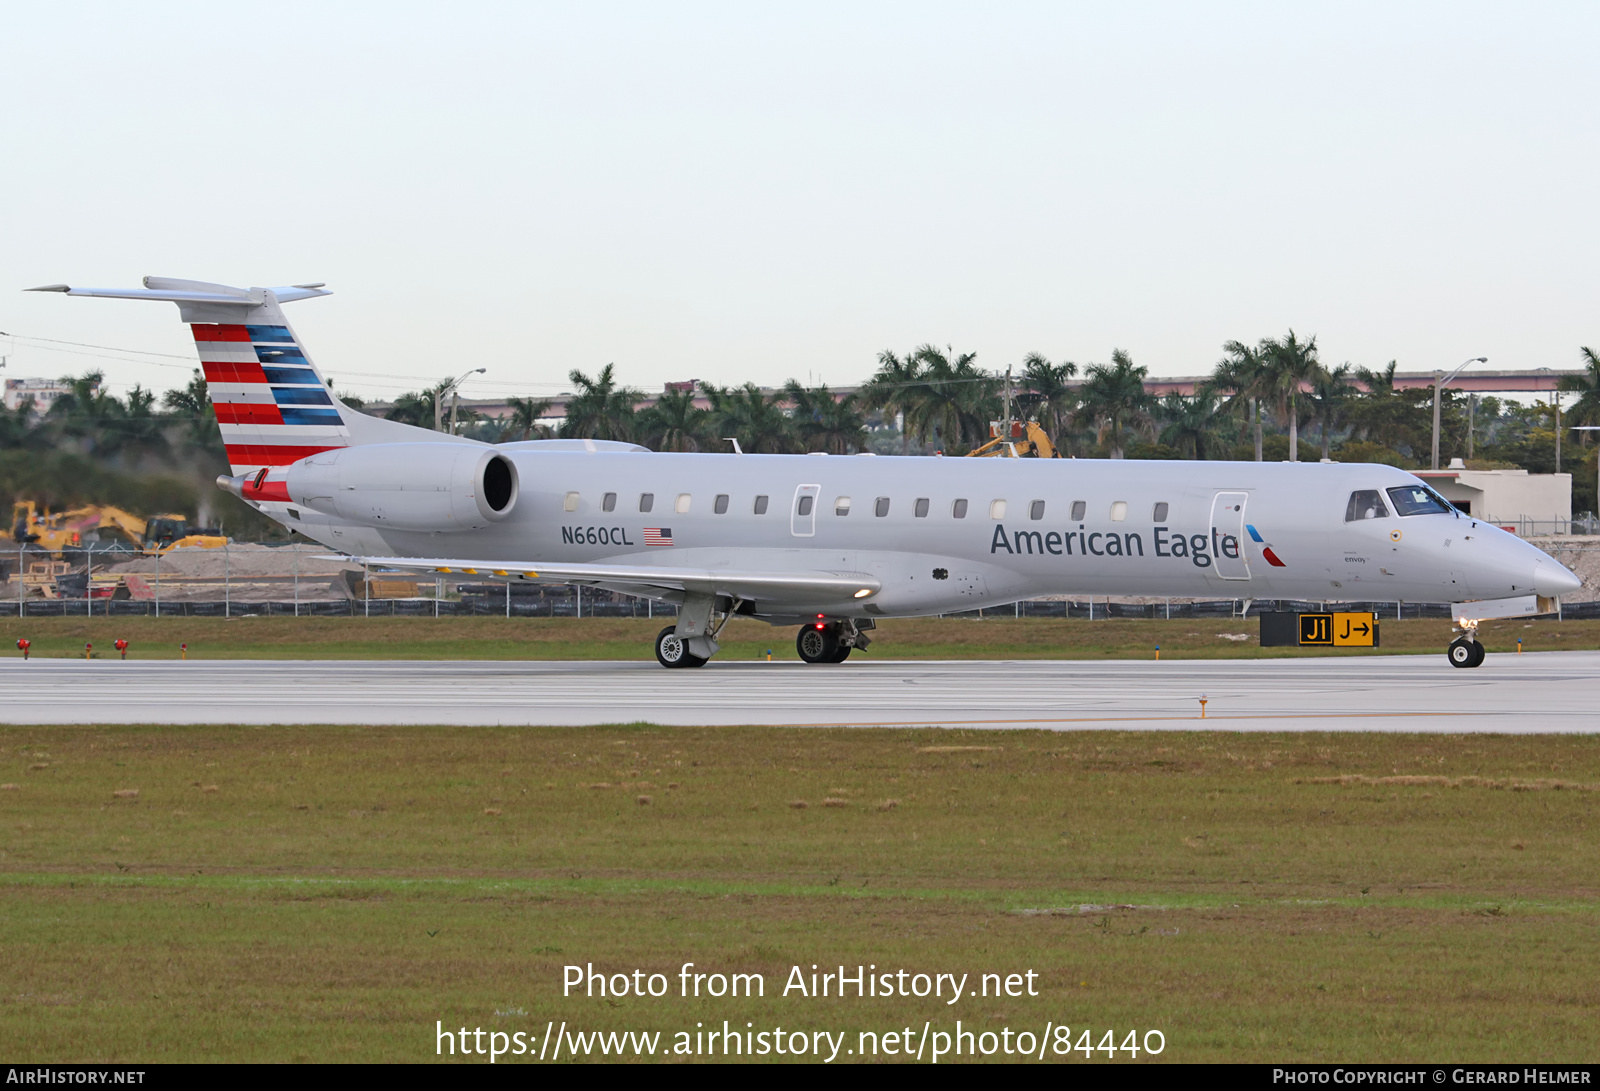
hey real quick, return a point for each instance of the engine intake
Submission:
(408, 486)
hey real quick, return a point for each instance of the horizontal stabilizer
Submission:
(190, 291)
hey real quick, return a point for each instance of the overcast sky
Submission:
(737, 191)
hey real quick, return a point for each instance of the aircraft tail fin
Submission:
(272, 404)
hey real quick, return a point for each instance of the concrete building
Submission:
(1516, 499)
(43, 391)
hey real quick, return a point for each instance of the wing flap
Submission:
(774, 587)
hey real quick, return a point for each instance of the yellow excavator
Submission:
(53, 532)
(1016, 439)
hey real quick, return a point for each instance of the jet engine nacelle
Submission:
(408, 486)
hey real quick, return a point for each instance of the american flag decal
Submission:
(658, 536)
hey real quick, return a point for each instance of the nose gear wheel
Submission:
(1465, 652)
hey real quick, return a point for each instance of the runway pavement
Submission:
(1543, 692)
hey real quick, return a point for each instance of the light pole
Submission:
(1592, 428)
(1440, 381)
(438, 400)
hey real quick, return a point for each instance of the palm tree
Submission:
(955, 399)
(525, 416)
(823, 422)
(83, 412)
(1385, 415)
(1586, 410)
(601, 409)
(895, 388)
(416, 407)
(1331, 391)
(1113, 397)
(1046, 394)
(1287, 365)
(1240, 373)
(19, 429)
(756, 420)
(675, 423)
(1189, 422)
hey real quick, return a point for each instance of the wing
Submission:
(651, 581)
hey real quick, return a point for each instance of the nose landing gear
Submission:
(1464, 650)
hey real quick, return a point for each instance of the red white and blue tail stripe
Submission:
(271, 404)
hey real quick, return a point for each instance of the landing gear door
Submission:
(803, 512)
(1228, 535)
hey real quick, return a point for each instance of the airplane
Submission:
(829, 543)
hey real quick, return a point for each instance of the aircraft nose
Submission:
(1552, 578)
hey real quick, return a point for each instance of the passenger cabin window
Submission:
(570, 503)
(841, 506)
(720, 506)
(1160, 514)
(682, 505)
(647, 500)
(608, 502)
(958, 510)
(1078, 508)
(761, 505)
(880, 507)
(1418, 500)
(1036, 510)
(997, 509)
(804, 507)
(920, 510)
(1119, 511)
(1365, 504)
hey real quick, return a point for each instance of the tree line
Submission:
(1273, 400)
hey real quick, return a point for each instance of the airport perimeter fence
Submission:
(302, 580)
(484, 606)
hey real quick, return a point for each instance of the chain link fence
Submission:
(304, 580)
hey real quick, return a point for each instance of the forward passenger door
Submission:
(1227, 522)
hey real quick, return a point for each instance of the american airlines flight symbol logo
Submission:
(1266, 549)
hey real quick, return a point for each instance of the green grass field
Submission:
(328, 893)
(607, 638)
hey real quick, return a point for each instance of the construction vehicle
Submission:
(55, 532)
(1016, 439)
(1013, 438)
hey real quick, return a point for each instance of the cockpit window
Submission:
(1418, 500)
(1366, 504)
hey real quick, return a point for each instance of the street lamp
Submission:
(1592, 428)
(438, 401)
(1440, 381)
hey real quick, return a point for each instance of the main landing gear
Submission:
(831, 642)
(673, 651)
(1464, 650)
